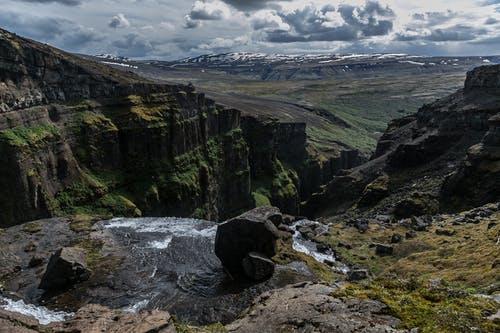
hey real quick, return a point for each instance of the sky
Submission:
(174, 29)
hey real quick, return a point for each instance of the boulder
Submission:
(383, 249)
(396, 238)
(66, 267)
(358, 274)
(249, 232)
(257, 266)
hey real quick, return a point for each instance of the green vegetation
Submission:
(276, 188)
(365, 104)
(32, 228)
(261, 199)
(286, 254)
(29, 137)
(153, 110)
(84, 223)
(92, 249)
(213, 328)
(430, 305)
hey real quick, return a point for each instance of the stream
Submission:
(170, 264)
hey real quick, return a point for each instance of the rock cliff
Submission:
(454, 138)
(79, 137)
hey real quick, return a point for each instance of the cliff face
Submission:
(455, 138)
(78, 137)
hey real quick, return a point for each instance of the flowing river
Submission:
(170, 264)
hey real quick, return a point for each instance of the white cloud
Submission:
(119, 21)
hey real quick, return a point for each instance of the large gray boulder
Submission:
(253, 231)
(66, 267)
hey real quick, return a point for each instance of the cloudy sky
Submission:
(172, 29)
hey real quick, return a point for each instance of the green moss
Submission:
(260, 199)
(119, 205)
(98, 121)
(92, 249)
(28, 137)
(429, 306)
(185, 328)
(283, 184)
(32, 228)
(84, 223)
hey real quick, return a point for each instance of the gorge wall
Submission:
(448, 151)
(78, 137)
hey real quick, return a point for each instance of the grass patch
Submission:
(29, 137)
(431, 306)
(32, 228)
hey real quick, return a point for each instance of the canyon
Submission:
(96, 162)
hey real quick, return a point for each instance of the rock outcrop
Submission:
(246, 243)
(77, 136)
(311, 308)
(423, 150)
(66, 267)
(92, 319)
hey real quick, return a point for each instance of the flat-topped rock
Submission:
(253, 231)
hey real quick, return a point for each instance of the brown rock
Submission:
(97, 319)
(66, 267)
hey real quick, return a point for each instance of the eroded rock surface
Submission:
(311, 308)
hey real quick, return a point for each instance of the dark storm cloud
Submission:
(133, 45)
(41, 28)
(250, 5)
(80, 38)
(62, 2)
(491, 21)
(434, 18)
(347, 23)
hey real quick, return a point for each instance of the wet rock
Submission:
(322, 248)
(311, 231)
(257, 266)
(13, 322)
(285, 228)
(396, 238)
(35, 262)
(358, 274)
(66, 267)
(249, 232)
(383, 249)
(288, 219)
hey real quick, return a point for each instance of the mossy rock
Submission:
(119, 205)
(375, 191)
(417, 205)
